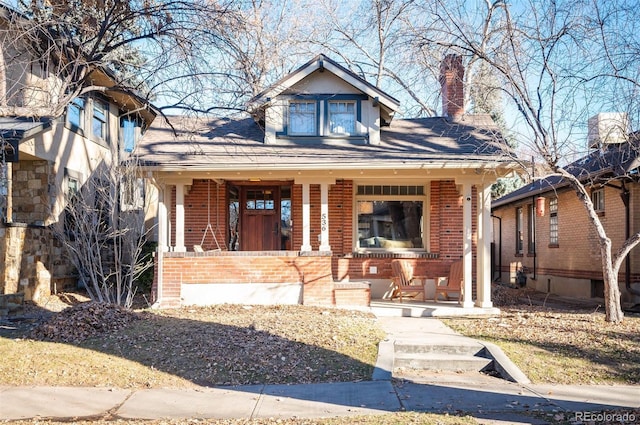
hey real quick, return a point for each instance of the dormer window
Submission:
(342, 117)
(302, 118)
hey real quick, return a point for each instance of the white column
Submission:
(163, 218)
(179, 247)
(306, 218)
(483, 264)
(467, 301)
(324, 218)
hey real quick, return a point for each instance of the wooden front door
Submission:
(260, 219)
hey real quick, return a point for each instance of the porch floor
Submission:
(411, 308)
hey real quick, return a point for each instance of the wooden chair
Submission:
(404, 282)
(452, 283)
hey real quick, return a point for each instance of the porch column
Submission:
(483, 263)
(179, 246)
(467, 301)
(306, 217)
(324, 217)
(164, 198)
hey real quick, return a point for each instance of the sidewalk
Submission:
(489, 399)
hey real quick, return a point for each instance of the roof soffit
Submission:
(323, 64)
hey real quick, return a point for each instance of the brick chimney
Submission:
(451, 81)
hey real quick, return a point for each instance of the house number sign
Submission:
(323, 222)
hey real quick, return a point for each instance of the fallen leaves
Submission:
(82, 321)
(563, 346)
(220, 345)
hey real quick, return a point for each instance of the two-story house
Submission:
(45, 157)
(309, 197)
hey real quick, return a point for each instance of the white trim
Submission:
(467, 301)
(180, 247)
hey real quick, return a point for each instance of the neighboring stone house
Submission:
(542, 236)
(309, 198)
(45, 157)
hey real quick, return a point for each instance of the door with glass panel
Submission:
(260, 218)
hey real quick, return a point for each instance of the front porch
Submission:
(394, 308)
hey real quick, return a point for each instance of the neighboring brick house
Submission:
(544, 227)
(318, 190)
(43, 157)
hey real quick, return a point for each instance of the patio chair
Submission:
(404, 282)
(452, 283)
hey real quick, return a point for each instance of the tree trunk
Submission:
(613, 310)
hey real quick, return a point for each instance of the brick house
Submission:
(543, 227)
(309, 197)
(44, 157)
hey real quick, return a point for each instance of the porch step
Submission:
(452, 353)
(438, 361)
(462, 346)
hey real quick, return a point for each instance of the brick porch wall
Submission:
(272, 267)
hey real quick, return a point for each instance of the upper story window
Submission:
(323, 115)
(342, 117)
(99, 121)
(130, 130)
(597, 197)
(75, 113)
(390, 217)
(302, 118)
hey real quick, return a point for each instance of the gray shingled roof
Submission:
(612, 161)
(228, 143)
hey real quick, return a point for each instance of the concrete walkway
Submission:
(490, 400)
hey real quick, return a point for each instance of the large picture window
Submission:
(302, 118)
(388, 220)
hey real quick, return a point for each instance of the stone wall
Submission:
(26, 254)
(31, 192)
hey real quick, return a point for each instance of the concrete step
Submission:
(461, 346)
(440, 361)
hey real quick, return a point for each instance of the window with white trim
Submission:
(531, 229)
(302, 118)
(553, 221)
(519, 231)
(342, 117)
(390, 217)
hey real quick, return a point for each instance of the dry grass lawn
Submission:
(94, 345)
(559, 346)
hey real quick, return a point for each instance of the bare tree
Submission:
(104, 231)
(555, 61)
(141, 45)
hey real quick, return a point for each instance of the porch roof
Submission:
(237, 144)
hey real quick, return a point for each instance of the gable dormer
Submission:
(322, 102)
